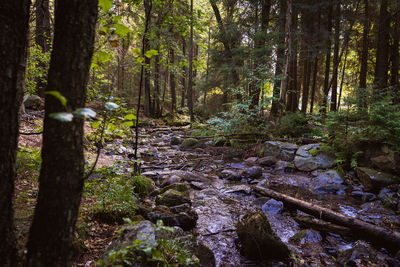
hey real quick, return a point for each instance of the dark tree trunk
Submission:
(327, 59)
(260, 54)
(364, 58)
(306, 49)
(157, 90)
(280, 57)
(292, 91)
(42, 36)
(146, 85)
(394, 77)
(172, 82)
(183, 91)
(14, 16)
(314, 83)
(61, 175)
(382, 51)
(190, 87)
(335, 58)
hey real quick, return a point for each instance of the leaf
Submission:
(106, 5)
(128, 123)
(62, 116)
(121, 29)
(150, 53)
(111, 105)
(130, 117)
(59, 96)
(102, 57)
(96, 124)
(85, 112)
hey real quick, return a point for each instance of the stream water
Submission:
(220, 202)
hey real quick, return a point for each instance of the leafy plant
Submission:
(293, 125)
(28, 161)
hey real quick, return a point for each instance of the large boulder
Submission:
(329, 182)
(172, 197)
(33, 102)
(189, 142)
(181, 215)
(373, 180)
(258, 241)
(309, 158)
(230, 175)
(254, 172)
(280, 150)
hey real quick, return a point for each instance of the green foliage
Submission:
(143, 185)
(165, 252)
(28, 162)
(114, 194)
(293, 125)
(240, 119)
(36, 68)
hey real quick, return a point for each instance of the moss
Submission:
(313, 152)
(180, 187)
(142, 185)
(189, 142)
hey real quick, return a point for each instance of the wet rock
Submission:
(390, 197)
(174, 141)
(198, 248)
(309, 158)
(386, 160)
(180, 187)
(244, 189)
(185, 217)
(171, 180)
(373, 180)
(189, 142)
(363, 196)
(267, 161)
(198, 185)
(257, 239)
(363, 254)
(190, 176)
(259, 202)
(251, 160)
(283, 166)
(272, 206)
(230, 175)
(329, 182)
(253, 172)
(171, 198)
(306, 236)
(281, 150)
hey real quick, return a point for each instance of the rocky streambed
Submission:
(208, 191)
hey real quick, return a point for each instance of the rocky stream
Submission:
(209, 191)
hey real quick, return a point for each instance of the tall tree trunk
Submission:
(314, 83)
(183, 91)
(190, 87)
(306, 44)
(394, 77)
(335, 58)
(280, 57)
(382, 51)
(172, 81)
(146, 85)
(42, 37)
(61, 176)
(291, 104)
(289, 51)
(343, 75)
(14, 16)
(364, 58)
(327, 59)
(157, 91)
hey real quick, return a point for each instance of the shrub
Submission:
(293, 125)
(142, 184)
(28, 162)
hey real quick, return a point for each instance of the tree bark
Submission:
(335, 58)
(172, 81)
(280, 57)
(382, 52)
(364, 58)
(42, 36)
(14, 16)
(394, 77)
(183, 91)
(379, 235)
(190, 87)
(327, 59)
(147, 93)
(62, 173)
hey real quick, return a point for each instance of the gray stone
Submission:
(171, 198)
(309, 158)
(363, 196)
(329, 182)
(189, 142)
(174, 141)
(181, 215)
(284, 166)
(281, 150)
(272, 206)
(258, 241)
(306, 236)
(198, 248)
(267, 161)
(253, 172)
(34, 102)
(230, 175)
(373, 180)
(171, 180)
(251, 160)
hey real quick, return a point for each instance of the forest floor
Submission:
(219, 202)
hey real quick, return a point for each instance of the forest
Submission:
(199, 133)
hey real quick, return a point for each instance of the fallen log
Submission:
(379, 235)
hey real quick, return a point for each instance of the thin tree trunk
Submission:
(364, 58)
(62, 173)
(288, 46)
(14, 16)
(327, 59)
(172, 82)
(183, 91)
(335, 58)
(343, 75)
(394, 78)
(190, 87)
(314, 83)
(280, 57)
(42, 37)
(146, 85)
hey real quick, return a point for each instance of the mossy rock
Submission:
(175, 141)
(190, 142)
(180, 187)
(258, 241)
(143, 185)
(172, 198)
